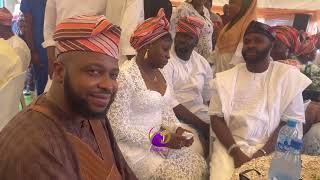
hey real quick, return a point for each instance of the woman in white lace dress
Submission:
(196, 8)
(143, 102)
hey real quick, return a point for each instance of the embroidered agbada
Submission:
(89, 34)
(229, 43)
(150, 30)
(44, 142)
(5, 17)
(190, 83)
(289, 36)
(190, 24)
(253, 105)
(14, 61)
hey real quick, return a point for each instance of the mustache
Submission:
(103, 91)
(251, 50)
(183, 49)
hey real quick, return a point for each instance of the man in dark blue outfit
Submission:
(33, 11)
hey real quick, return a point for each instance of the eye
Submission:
(94, 72)
(245, 41)
(114, 76)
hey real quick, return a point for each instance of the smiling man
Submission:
(64, 133)
(251, 102)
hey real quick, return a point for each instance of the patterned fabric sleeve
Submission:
(119, 116)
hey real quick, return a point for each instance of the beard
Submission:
(79, 105)
(183, 53)
(260, 55)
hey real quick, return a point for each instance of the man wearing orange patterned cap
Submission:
(187, 71)
(189, 75)
(64, 134)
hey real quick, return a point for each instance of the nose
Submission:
(108, 84)
(250, 45)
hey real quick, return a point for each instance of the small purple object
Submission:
(157, 140)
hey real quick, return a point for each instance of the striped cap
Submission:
(307, 47)
(150, 30)
(289, 36)
(89, 34)
(5, 17)
(190, 24)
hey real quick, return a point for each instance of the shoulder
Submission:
(284, 69)
(184, 6)
(126, 69)
(232, 70)
(20, 47)
(289, 76)
(129, 72)
(199, 57)
(30, 134)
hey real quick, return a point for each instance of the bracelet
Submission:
(263, 151)
(232, 147)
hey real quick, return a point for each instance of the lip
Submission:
(99, 99)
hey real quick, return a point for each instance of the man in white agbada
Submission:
(187, 71)
(251, 102)
(15, 54)
(127, 14)
(14, 60)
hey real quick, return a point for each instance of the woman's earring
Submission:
(146, 55)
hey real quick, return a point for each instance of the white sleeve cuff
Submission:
(127, 51)
(48, 43)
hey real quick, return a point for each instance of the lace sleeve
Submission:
(169, 120)
(119, 115)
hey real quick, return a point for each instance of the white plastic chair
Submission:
(10, 94)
